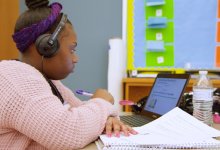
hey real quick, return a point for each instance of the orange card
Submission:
(217, 56)
(218, 9)
(218, 32)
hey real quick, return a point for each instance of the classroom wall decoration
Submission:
(173, 34)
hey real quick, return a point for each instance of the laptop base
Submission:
(135, 120)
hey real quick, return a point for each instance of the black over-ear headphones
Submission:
(47, 44)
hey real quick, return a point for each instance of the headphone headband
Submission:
(59, 27)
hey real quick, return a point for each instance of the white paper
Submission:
(174, 128)
(160, 59)
(159, 36)
(159, 12)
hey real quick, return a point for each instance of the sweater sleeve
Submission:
(32, 109)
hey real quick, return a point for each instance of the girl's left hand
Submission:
(114, 127)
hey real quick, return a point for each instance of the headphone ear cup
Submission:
(43, 47)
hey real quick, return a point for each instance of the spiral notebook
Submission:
(174, 130)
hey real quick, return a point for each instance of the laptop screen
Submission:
(165, 94)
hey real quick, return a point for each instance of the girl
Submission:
(32, 112)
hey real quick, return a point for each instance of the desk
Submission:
(136, 88)
(92, 146)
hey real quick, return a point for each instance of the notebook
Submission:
(174, 130)
(165, 94)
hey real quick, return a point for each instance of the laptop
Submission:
(166, 94)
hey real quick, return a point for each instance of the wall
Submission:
(8, 19)
(95, 21)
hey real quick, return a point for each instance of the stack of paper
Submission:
(175, 129)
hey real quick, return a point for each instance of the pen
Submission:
(82, 92)
(121, 102)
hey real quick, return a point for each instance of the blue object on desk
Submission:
(157, 22)
(155, 46)
(155, 2)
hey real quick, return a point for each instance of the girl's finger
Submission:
(108, 127)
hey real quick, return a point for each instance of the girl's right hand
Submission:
(104, 94)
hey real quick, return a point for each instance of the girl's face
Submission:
(63, 63)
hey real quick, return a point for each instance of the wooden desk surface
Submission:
(92, 146)
(150, 81)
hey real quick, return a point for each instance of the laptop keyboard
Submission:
(134, 120)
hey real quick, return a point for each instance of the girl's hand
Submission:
(114, 127)
(104, 94)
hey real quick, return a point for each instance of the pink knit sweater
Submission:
(31, 117)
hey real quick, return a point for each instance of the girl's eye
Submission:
(73, 50)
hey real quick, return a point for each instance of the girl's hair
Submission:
(38, 10)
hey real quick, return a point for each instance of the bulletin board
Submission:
(185, 34)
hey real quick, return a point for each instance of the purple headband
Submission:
(25, 37)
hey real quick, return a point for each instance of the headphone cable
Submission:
(42, 64)
(53, 87)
